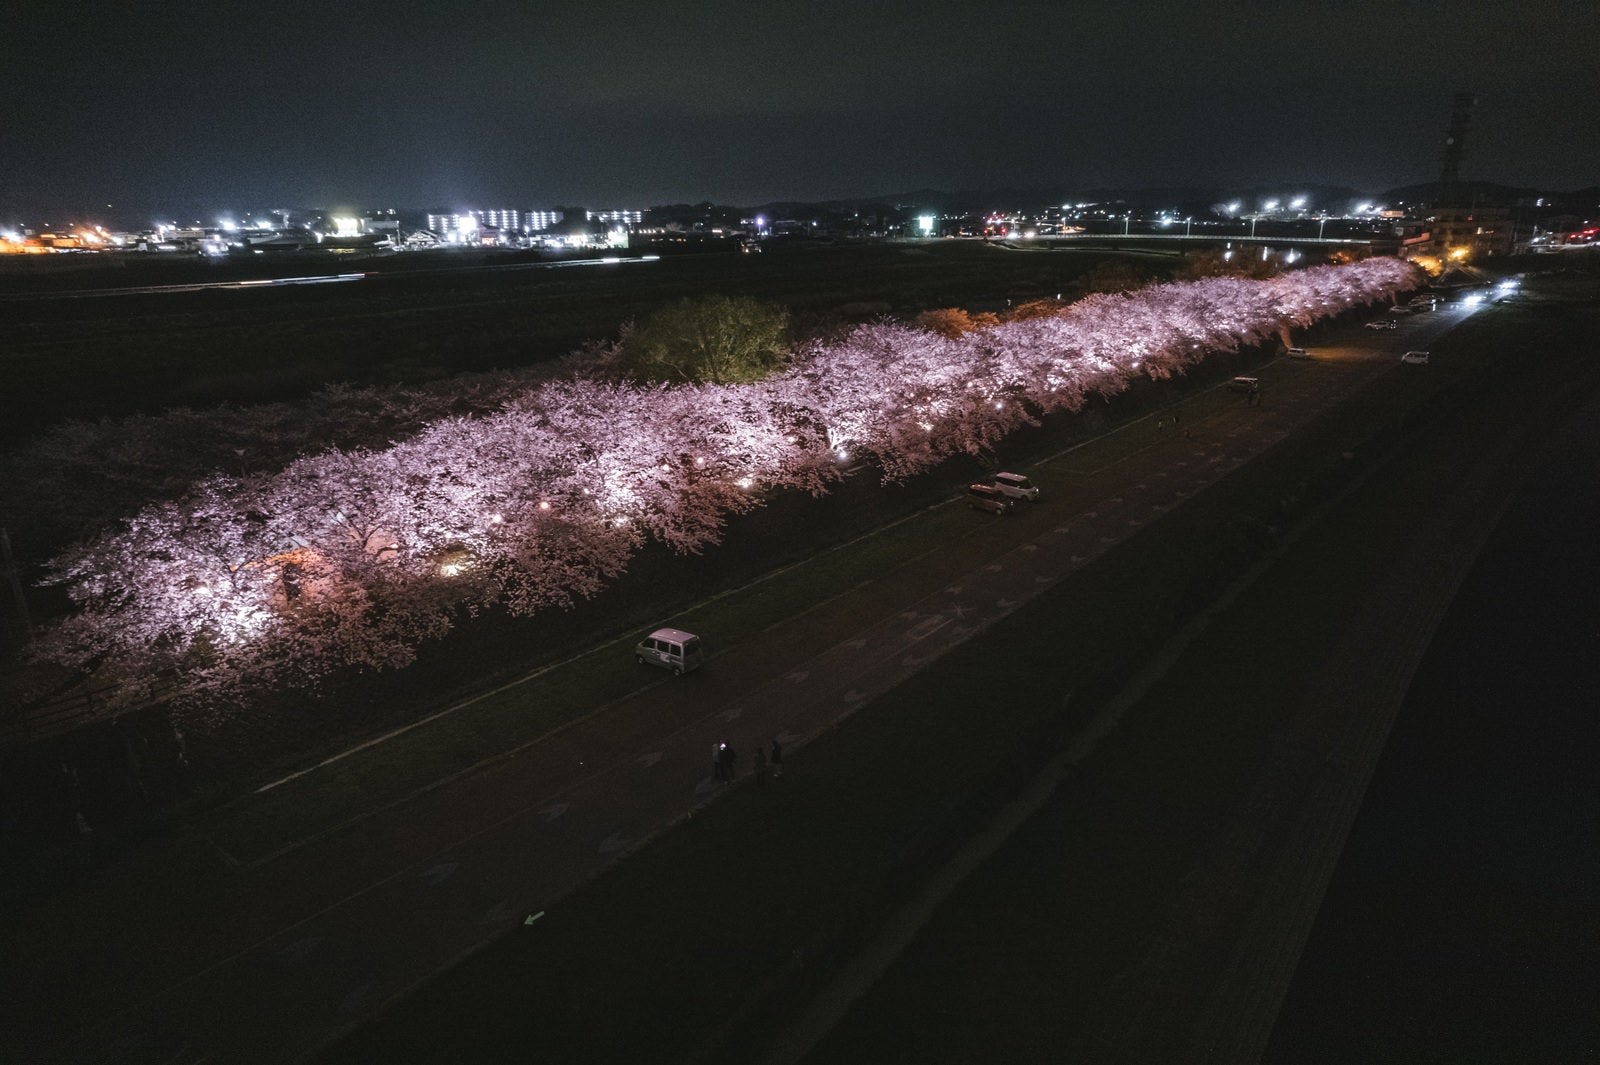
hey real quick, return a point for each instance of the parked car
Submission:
(1415, 358)
(988, 497)
(1399, 310)
(1245, 384)
(671, 649)
(1381, 323)
(1016, 486)
(1296, 353)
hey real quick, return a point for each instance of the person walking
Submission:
(761, 767)
(777, 758)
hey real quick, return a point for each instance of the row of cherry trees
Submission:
(353, 558)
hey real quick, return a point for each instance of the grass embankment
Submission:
(754, 901)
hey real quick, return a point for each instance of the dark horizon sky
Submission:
(188, 107)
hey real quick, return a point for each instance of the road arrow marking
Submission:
(852, 697)
(650, 759)
(440, 873)
(301, 948)
(550, 813)
(856, 644)
(613, 844)
(1005, 604)
(797, 676)
(532, 917)
(732, 713)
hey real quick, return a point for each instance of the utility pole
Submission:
(1454, 144)
(10, 565)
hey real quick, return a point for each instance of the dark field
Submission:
(422, 317)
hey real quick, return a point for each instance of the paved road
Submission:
(317, 938)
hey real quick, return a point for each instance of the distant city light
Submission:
(346, 226)
(925, 224)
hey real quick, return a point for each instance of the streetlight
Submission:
(1186, 223)
(1125, 218)
(1253, 219)
(1320, 223)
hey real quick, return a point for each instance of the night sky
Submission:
(179, 106)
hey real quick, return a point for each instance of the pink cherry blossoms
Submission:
(353, 558)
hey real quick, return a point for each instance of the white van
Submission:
(671, 649)
(1016, 486)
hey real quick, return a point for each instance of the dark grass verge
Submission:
(710, 933)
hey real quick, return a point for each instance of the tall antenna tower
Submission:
(1454, 141)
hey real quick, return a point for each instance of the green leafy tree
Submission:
(710, 339)
(1116, 275)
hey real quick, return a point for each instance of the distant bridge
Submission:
(1180, 241)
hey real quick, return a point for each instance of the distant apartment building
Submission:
(615, 218)
(1470, 232)
(475, 226)
(539, 221)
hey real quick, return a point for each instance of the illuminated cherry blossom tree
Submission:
(351, 558)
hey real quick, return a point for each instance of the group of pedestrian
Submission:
(723, 761)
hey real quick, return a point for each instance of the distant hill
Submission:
(1472, 191)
